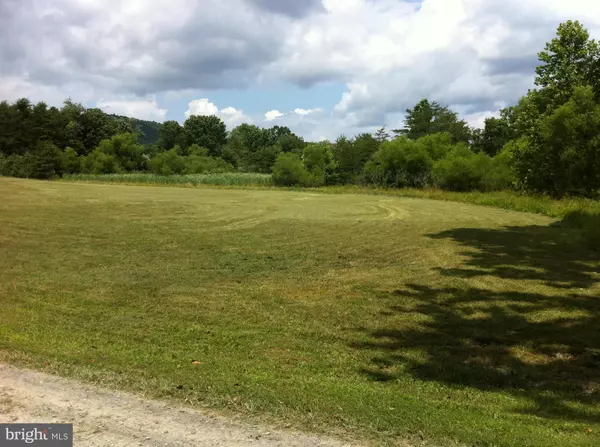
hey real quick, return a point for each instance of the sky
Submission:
(321, 67)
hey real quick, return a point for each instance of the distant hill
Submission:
(149, 129)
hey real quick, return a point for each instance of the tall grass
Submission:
(509, 200)
(221, 179)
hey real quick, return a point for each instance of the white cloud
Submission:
(473, 55)
(146, 109)
(305, 112)
(14, 87)
(230, 115)
(139, 46)
(272, 115)
(201, 107)
(477, 120)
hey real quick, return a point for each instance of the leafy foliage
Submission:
(495, 135)
(206, 131)
(564, 156)
(148, 131)
(170, 135)
(461, 170)
(202, 164)
(319, 163)
(126, 151)
(569, 60)
(399, 163)
(70, 161)
(289, 170)
(99, 162)
(167, 163)
(351, 156)
(428, 118)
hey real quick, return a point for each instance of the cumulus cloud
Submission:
(272, 115)
(147, 109)
(137, 47)
(305, 112)
(230, 115)
(470, 54)
(473, 55)
(275, 114)
(292, 8)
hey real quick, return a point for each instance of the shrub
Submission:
(43, 163)
(289, 170)
(17, 165)
(262, 160)
(320, 163)
(501, 174)
(194, 149)
(351, 156)
(201, 164)
(461, 170)
(399, 163)
(126, 151)
(99, 162)
(437, 145)
(70, 161)
(167, 163)
(46, 161)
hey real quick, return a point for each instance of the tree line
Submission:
(549, 142)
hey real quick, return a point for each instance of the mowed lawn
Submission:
(386, 319)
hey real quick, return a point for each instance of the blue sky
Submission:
(321, 67)
(259, 99)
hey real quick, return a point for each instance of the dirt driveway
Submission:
(109, 418)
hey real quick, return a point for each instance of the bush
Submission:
(262, 160)
(437, 145)
(501, 174)
(46, 161)
(289, 170)
(194, 149)
(200, 164)
(167, 163)
(126, 151)
(17, 165)
(461, 170)
(320, 164)
(399, 163)
(351, 156)
(43, 163)
(70, 161)
(99, 162)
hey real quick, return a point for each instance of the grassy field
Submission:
(389, 319)
(510, 200)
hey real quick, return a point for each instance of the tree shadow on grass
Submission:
(551, 254)
(542, 347)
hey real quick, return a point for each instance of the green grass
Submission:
(221, 179)
(384, 318)
(509, 200)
